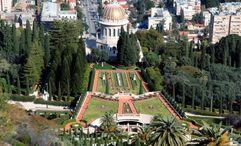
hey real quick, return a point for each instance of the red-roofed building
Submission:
(122, 2)
(72, 4)
(125, 6)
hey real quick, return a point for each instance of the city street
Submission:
(88, 10)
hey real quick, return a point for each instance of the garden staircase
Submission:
(169, 107)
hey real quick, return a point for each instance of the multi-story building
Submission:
(225, 21)
(6, 5)
(188, 7)
(160, 16)
(51, 11)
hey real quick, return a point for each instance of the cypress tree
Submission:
(28, 37)
(9, 84)
(46, 50)
(27, 86)
(120, 45)
(15, 43)
(183, 95)
(41, 34)
(193, 96)
(35, 34)
(18, 85)
(22, 45)
(34, 65)
(212, 54)
(211, 96)
(50, 91)
(203, 96)
(65, 75)
(59, 91)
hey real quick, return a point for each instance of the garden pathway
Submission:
(83, 107)
(95, 81)
(126, 99)
(128, 80)
(137, 72)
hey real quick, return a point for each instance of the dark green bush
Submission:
(147, 80)
(56, 103)
(91, 81)
(22, 98)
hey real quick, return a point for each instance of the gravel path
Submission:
(32, 106)
(203, 116)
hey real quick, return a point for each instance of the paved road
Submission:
(203, 116)
(32, 106)
(88, 9)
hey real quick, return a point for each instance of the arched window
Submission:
(114, 32)
(105, 32)
(118, 32)
(109, 32)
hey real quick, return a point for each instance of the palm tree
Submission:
(166, 132)
(213, 135)
(142, 136)
(108, 125)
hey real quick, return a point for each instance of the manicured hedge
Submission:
(56, 103)
(91, 81)
(22, 98)
(79, 103)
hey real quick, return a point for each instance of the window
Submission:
(114, 32)
(105, 32)
(118, 31)
(109, 32)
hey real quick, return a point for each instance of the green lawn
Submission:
(101, 87)
(105, 66)
(152, 106)
(208, 120)
(97, 108)
(135, 84)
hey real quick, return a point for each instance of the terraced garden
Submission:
(112, 82)
(152, 106)
(97, 107)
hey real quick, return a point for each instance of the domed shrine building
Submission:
(113, 18)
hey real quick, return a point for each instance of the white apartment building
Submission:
(160, 16)
(51, 11)
(6, 5)
(188, 7)
(225, 21)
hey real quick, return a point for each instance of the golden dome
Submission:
(113, 12)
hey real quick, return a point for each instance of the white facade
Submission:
(188, 7)
(225, 21)
(51, 11)
(9, 17)
(160, 16)
(114, 17)
(6, 5)
(68, 15)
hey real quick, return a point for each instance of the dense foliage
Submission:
(195, 76)
(128, 50)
